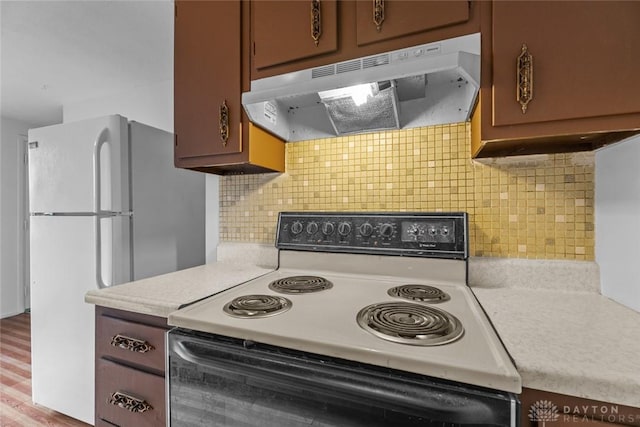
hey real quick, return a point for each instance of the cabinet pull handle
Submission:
(316, 21)
(378, 13)
(131, 344)
(224, 123)
(524, 92)
(130, 403)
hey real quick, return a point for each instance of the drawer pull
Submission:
(378, 13)
(316, 21)
(130, 403)
(131, 344)
(524, 92)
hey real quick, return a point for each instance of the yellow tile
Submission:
(421, 169)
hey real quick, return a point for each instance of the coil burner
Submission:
(256, 306)
(409, 323)
(300, 284)
(422, 293)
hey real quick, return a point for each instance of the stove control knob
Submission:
(344, 228)
(327, 228)
(366, 229)
(386, 230)
(413, 232)
(296, 228)
(312, 228)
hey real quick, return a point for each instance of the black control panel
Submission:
(442, 235)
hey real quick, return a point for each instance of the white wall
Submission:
(151, 105)
(11, 233)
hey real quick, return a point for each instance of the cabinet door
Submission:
(207, 78)
(572, 411)
(585, 61)
(401, 18)
(284, 31)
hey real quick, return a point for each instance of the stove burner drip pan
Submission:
(409, 323)
(422, 293)
(300, 285)
(257, 306)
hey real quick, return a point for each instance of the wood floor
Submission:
(16, 409)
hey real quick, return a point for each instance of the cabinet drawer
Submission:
(123, 392)
(131, 342)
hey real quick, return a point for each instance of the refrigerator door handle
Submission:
(99, 281)
(101, 139)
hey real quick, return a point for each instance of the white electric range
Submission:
(356, 296)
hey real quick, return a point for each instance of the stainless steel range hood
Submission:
(424, 85)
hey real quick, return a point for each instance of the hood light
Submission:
(360, 94)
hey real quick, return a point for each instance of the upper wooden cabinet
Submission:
(285, 31)
(282, 30)
(207, 78)
(385, 20)
(212, 133)
(575, 62)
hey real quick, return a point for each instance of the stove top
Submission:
(413, 312)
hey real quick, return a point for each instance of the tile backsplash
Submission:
(523, 207)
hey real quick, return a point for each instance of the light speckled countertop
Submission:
(563, 335)
(161, 295)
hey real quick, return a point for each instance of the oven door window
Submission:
(215, 381)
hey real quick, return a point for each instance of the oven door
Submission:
(219, 381)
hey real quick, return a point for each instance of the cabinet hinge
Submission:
(175, 10)
(175, 139)
(254, 48)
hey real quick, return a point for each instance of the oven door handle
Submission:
(280, 371)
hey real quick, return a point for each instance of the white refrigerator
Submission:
(107, 207)
(617, 220)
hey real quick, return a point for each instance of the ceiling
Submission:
(55, 53)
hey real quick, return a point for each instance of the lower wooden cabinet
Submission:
(543, 408)
(130, 369)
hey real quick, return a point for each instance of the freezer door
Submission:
(168, 206)
(68, 161)
(64, 266)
